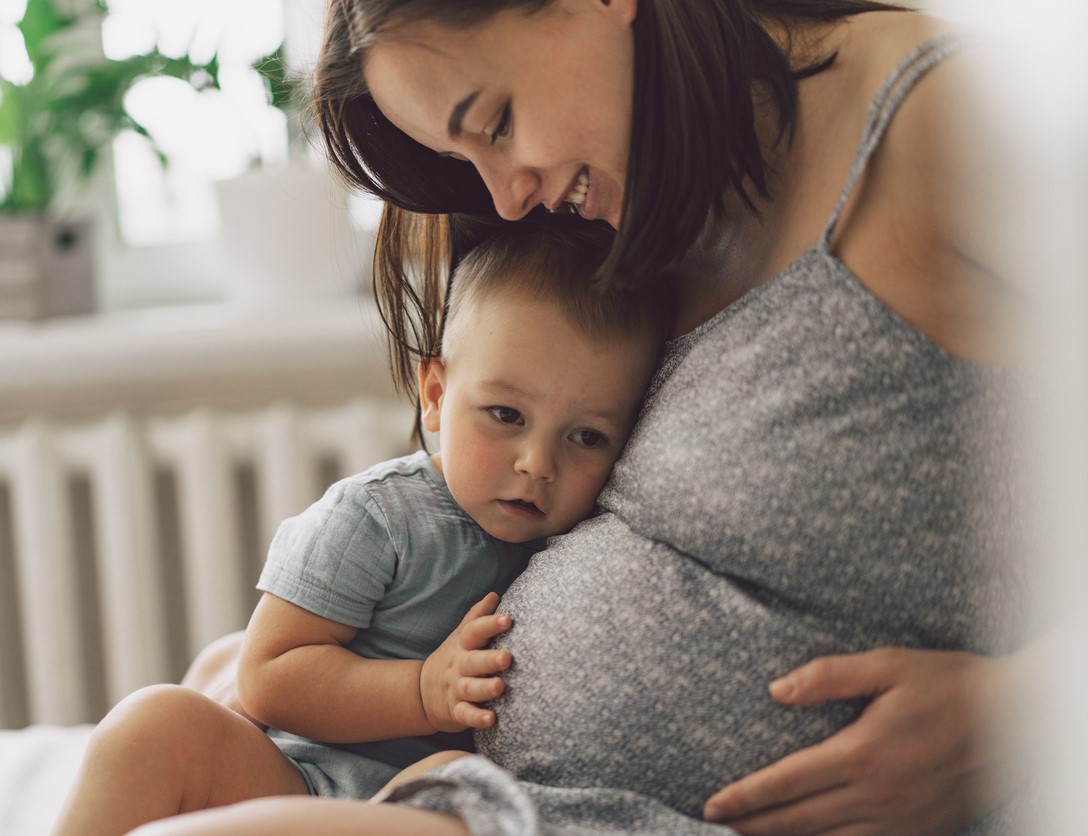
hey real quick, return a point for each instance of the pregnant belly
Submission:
(637, 668)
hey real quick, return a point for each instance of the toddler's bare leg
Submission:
(291, 816)
(167, 750)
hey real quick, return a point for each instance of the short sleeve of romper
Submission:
(336, 558)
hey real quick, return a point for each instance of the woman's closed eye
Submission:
(506, 414)
(502, 129)
(590, 439)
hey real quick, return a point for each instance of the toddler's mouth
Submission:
(522, 508)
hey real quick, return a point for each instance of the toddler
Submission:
(360, 656)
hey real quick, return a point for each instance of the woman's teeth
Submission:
(578, 194)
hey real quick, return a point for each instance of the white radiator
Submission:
(130, 541)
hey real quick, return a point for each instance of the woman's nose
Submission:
(513, 189)
(536, 459)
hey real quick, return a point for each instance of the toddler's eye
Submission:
(588, 438)
(506, 414)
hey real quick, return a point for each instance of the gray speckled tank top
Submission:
(810, 475)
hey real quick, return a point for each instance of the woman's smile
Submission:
(576, 195)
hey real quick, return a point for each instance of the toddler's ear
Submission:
(432, 387)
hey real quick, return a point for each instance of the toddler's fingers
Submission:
(473, 716)
(477, 633)
(485, 606)
(483, 662)
(474, 689)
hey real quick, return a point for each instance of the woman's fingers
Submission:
(830, 810)
(913, 762)
(796, 776)
(838, 678)
(815, 791)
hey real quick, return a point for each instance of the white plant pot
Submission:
(47, 266)
(288, 238)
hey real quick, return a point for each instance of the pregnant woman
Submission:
(820, 494)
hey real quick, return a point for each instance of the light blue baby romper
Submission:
(391, 552)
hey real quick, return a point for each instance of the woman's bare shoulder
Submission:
(922, 231)
(869, 46)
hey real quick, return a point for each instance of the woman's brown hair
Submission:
(693, 140)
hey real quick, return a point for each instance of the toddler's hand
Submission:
(460, 673)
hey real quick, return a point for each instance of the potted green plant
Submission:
(54, 128)
(286, 229)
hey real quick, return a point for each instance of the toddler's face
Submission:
(532, 415)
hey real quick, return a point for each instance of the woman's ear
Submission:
(432, 386)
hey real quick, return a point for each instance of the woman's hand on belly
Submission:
(923, 757)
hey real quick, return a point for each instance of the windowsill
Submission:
(172, 359)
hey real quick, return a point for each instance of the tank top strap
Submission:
(892, 92)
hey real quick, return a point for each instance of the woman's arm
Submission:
(932, 752)
(296, 673)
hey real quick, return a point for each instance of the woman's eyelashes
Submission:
(502, 128)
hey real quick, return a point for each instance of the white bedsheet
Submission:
(37, 765)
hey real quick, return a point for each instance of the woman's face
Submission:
(540, 104)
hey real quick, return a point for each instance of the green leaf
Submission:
(31, 184)
(41, 22)
(57, 124)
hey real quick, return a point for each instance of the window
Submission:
(207, 136)
(169, 246)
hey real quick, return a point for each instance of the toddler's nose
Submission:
(537, 460)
